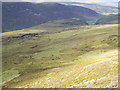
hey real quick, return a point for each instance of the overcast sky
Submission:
(61, 0)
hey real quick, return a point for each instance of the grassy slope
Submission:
(83, 57)
(60, 24)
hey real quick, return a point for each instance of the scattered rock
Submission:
(24, 36)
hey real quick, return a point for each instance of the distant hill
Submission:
(101, 8)
(110, 19)
(19, 15)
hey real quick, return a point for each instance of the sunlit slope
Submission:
(82, 57)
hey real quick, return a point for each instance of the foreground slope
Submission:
(85, 56)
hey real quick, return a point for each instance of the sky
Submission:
(61, 0)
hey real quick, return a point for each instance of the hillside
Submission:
(101, 8)
(81, 57)
(20, 15)
(60, 24)
(110, 19)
